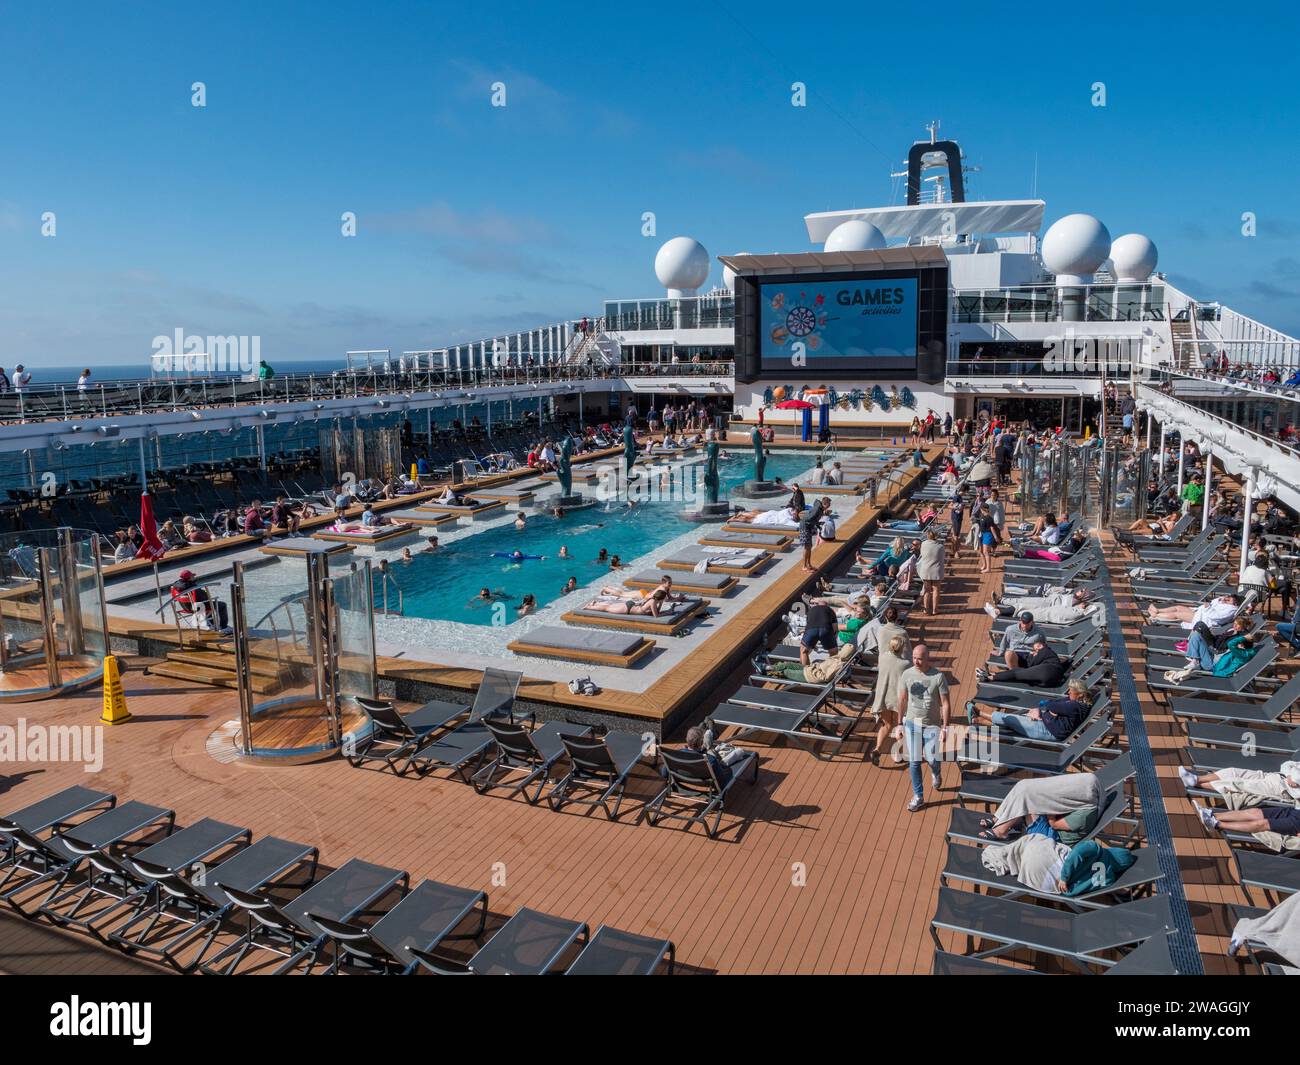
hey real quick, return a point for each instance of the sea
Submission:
(106, 373)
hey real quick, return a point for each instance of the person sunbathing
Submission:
(1217, 612)
(781, 516)
(1273, 797)
(1056, 608)
(1042, 669)
(618, 604)
(1160, 527)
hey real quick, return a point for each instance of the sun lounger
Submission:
(964, 823)
(423, 518)
(291, 930)
(672, 618)
(188, 907)
(1212, 759)
(478, 510)
(1150, 958)
(692, 783)
(531, 943)
(393, 737)
(964, 865)
(991, 790)
(1248, 675)
(708, 585)
(513, 496)
(1274, 874)
(464, 747)
(583, 645)
(527, 754)
(1244, 737)
(115, 876)
(730, 560)
(1079, 937)
(375, 534)
(1271, 711)
(422, 919)
(766, 541)
(612, 952)
(301, 546)
(36, 821)
(1041, 760)
(601, 766)
(1171, 593)
(56, 859)
(785, 530)
(1101, 704)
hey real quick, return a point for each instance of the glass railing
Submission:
(1102, 303)
(1043, 366)
(1271, 420)
(688, 312)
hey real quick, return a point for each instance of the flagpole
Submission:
(144, 476)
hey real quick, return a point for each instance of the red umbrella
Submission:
(152, 546)
(794, 404)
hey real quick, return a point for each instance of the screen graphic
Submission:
(839, 319)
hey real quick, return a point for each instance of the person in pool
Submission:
(516, 555)
(487, 595)
(614, 562)
(407, 556)
(520, 521)
(431, 546)
(526, 606)
(603, 556)
(571, 585)
(557, 512)
(564, 551)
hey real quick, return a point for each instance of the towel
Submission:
(1035, 860)
(1278, 930)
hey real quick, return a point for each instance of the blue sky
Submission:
(226, 219)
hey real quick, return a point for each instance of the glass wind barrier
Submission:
(53, 626)
(1060, 479)
(354, 634)
(1103, 303)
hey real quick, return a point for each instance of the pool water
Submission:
(445, 584)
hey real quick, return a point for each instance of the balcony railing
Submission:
(1101, 303)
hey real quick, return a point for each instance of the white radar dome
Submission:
(1133, 257)
(682, 265)
(1074, 247)
(854, 235)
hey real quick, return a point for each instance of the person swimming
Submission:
(488, 595)
(564, 551)
(603, 556)
(527, 605)
(521, 522)
(571, 585)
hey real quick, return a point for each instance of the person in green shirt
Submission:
(1193, 492)
(848, 630)
(264, 371)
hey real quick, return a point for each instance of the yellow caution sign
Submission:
(115, 711)
(415, 475)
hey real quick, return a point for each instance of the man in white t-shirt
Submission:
(1216, 613)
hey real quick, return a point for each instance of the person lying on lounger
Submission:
(1042, 669)
(450, 498)
(1059, 553)
(1160, 527)
(1059, 608)
(818, 672)
(1052, 867)
(781, 516)
(1260, 801)
(1215, 614)
(1053, 719)
(617, 604)
(1067, 805)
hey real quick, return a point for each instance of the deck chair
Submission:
(1163, 639)
(1081, 648)
(1101, 704)
(692, 782)
(291, 930)
(1242, 737)
(1077, 937)
(531, 943)
(464, 747)
(600, 766)
(187, 909)
(612, 952)
(1275, 875)
(1159, 550)
(421, 920)
(52, 812)
(964, 824)
(395, 737)
(991, 790)
(1171, 593)
(115, 879)
(794, 713)
(1151, 958)
(965, 865)
(55, 859)
(1212, 759)
(1269, 712)
(526, 754)
(1207, 684)
(1038, 759)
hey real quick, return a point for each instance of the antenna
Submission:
(933, 128)
(1033, 189)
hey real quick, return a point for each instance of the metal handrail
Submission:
(384, 580)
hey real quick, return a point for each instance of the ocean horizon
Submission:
(104, 372)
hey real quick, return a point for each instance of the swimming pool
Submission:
(444, 585)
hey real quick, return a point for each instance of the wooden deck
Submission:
(738, 904)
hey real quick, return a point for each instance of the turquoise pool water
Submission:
(444, 585)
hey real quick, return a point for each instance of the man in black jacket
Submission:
(1042, 669)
